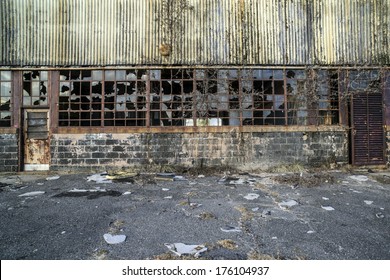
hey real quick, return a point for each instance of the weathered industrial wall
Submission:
(187, 32)
(243, 150)
(8, 153)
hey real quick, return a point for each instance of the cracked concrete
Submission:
(284, 217)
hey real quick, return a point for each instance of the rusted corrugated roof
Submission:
(207, 32)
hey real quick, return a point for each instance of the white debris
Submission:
(114, 239)
(311, 232)
(368, 202)
(288, 204)
(52, 178)
(126, 193)
(325, 198)
(78, 190)
(274, 238)
(327, 208)
(251, 196)
(165, 189)
(237, 182)
(32, 193)
(255, 209)
(40, 184)
(183, 249)
(382, 208)
(201, 176)
(179, 178)
(231, 229)
(168, 197)
(99, 178)
(379, 215)
(359, 178)
(63, 232)
(195, 205)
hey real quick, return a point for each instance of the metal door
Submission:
(36, 140)
(368, 141)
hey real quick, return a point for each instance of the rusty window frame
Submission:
(6, 104)
(219, 97)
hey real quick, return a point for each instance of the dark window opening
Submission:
(197, 97)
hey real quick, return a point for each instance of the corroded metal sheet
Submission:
(194, 32)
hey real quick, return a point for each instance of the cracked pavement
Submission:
(307, 215)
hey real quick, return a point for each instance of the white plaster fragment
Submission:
(99, 178)
(114, 239)
(325, 198)
(165, 189)
(288, 204)
(328, 208)
(368, 202)
(168, 197)
(311, 232)
(126, 193)
(32, 193)
(251, 196)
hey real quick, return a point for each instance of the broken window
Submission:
(35, 85)
(198, 97)
(5, 98)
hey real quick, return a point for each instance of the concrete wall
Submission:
(8, 152)
(243, 150)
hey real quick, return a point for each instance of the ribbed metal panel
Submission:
(207, 32)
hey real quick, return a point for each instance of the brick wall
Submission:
(8, 152)
(244, 150)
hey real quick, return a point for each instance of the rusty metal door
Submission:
(36, 140)
(368, 140)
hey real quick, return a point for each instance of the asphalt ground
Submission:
(316, 215)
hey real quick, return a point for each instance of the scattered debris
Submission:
(40, 184)
(99, 178)
(32, 193)
(227, 244)
(231, 229)
(126, 193)
(165, 176)
(255, 209)
(379, 215)
(274, 238)
(206, 216)
(287, 204)
(168, 197)
(359, 178)
(183, 249)
(52, 178)
(325, 198)
(195, 205)
(63, 232)
(114, 239)
(201, 176)
(311, 232)
(305, 180)
(179, 178)
(327, 208)
(165, 189)
(368, 202)
(251, 196)
(122, 176)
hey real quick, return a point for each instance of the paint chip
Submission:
(251, 196)
(114, 239)
(184, 249)
(368, 202)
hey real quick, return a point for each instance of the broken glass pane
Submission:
(43, 75)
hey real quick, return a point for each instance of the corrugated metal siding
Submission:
(208, 32)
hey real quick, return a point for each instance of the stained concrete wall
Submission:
(237, 149)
